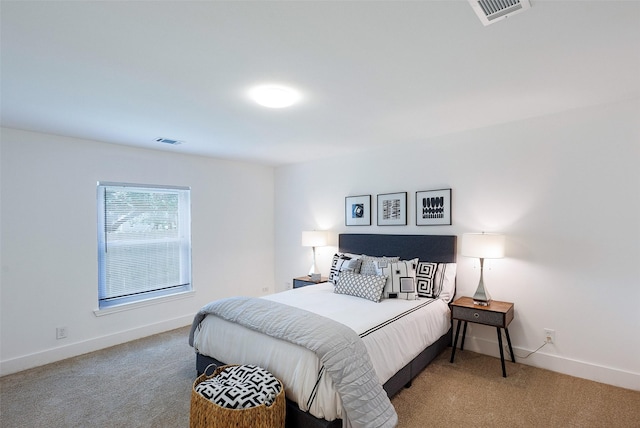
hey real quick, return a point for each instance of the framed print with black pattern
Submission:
(392, 209)
(433, 207)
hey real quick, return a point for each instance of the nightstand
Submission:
(303, 281)
(496, 314)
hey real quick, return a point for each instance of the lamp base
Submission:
(313, 270)
(481, 296)
(315, 277)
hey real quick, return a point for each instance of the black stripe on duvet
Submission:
(396, 318)
(314, 392)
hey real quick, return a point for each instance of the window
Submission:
(144, 242)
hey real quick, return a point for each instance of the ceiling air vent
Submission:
(168, 141)
(490, 11)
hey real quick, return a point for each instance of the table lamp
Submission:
(483, 246)
(313, 239)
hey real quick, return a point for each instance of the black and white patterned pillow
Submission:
(436, 280)
(370, 264)
(398, 274)
(343, 263)
(366, 286)
(426, 280)
(241, 387)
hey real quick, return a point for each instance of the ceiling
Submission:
(372, 74)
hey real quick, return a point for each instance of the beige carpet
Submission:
(147, 383)
(472, 392)
(144, 383)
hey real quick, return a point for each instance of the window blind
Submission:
(144, 242)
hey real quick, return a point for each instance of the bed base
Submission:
(434, 248)
(296, 418)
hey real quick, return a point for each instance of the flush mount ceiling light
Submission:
(274, 96)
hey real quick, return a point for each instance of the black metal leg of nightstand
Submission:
(464, 335)
(455, 343)
(513, 357)
(504, 370)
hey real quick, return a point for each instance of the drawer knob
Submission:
(476, 315)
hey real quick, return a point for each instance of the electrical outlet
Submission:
(61, 332)
(265, 289)
(549, 335)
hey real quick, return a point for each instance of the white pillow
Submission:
(446, 277)
(401, 278)
(366, 286)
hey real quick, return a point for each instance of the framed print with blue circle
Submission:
(357, 210)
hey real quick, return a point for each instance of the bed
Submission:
(312, 398)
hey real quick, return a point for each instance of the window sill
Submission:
(143, 303)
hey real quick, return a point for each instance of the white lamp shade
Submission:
(315, 238)
(483, 245)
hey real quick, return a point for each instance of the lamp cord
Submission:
(506, 349)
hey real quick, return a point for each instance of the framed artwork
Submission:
(433, 207)
(392, 209)
(357, 210)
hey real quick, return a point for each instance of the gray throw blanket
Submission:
(339, 348)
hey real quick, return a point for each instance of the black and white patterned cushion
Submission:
(369, 266)
(343, 263)
(436, 280)
(241, 387)
(366, 286)
(396, 272)
(426, 280)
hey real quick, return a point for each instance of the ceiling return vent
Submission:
(168, 141)
(490, 11)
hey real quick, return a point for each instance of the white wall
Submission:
(565, 189)
(49, 241)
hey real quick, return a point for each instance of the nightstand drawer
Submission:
(303, 281)
(478, 316)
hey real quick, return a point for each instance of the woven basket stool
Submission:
(206, 414)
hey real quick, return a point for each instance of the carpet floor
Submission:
(147, 383)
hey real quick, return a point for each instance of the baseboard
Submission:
(48, 356)
(559, 364)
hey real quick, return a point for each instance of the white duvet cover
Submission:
(394, 332)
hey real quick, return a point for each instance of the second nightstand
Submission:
(303, 281)
(496, 314)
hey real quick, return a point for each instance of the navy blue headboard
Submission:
(432, 248)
